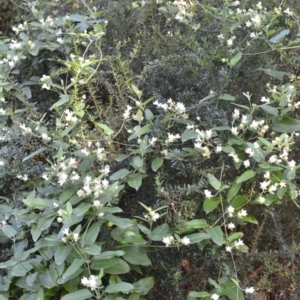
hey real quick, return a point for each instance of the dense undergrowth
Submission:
(149, 150)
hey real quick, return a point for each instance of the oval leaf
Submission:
(78, 295)
(157, 163)
(119, 174)
(123, 287)
(213, 181)
(216, 234)
(210, 204)
(245, 176)
(235, 59)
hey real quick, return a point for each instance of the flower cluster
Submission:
(70, 236)
(169, 240)
(177, 108)
(91, 282)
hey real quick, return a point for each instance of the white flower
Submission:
(230, 211)
(287, 11)
(152, 141)
(242, 213)
(76, 236)
(168, 240)
(248, 24)
(236, 113)
(265, 99)
(60, 40)
(249, 151)
(261, 200)
(256, 20)
(238, 243)
(231, 226)
(234, 131)
(249, 290)
(172, 137)
(247, 163)
(180, 108)
(97, 204)
(258, 5)
(185, 241)
(291, 164)
(207, 194)
(214, 297)
(66, 231)
(55, 204)
(230, 42)
(154, 215)
(85, 281)
(228, 249)
(272, 189)
(59, 220)
(219, 148)
(264, 185)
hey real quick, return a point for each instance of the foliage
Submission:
(146, 125)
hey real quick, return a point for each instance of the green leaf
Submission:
(197, 237)
(9, 231)
(276, 74)
(38, 203)
(196, 224)
(63, 99)
(234, 236)
(40, 294)
(227, 97)
(92, 250)
(279, 36)
(67, 193)
(216, 234)
(238, 201)
(157, 163)
(120, 267)
(78, 295)
(250, 219)
(235, 59)
(149, 115)
(21, 269)
(213, 181)
(210, 204)
(232, 291)
(123, 287)
(210, 96)
(35, 232)
(136, 255)
(270, 109)
(42, 149)
(121, 222)
(285, 124)
(199, 294)
(137, 91)
(135, 181)
(73, 268)
(235, 187)
(92, 234)
(159, 232)
(245, 176)
(121, 157)
(62, 253)
(111, 254)
(188, 134)
(119, 174)
(105, 128)
(144, 285)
